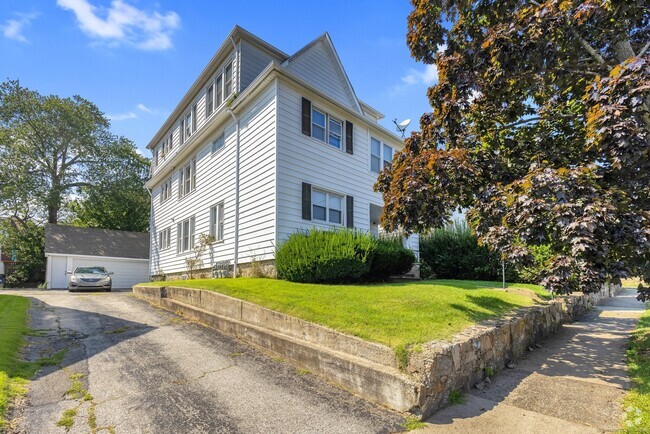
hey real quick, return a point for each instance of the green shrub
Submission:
(390, 258)
(320, 256)
(340, 256)
(453, 252)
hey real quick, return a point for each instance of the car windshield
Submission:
(90, 270)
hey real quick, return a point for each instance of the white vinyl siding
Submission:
(344, 174)
(253, 61)
(317, 66)
(215, 183)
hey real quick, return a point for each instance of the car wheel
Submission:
(108, 290)
(71, 290)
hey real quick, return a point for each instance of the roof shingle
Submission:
(71, 240)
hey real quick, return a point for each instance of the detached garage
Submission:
(126, 254)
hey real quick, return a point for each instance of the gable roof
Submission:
(324, 42)
(70, 240)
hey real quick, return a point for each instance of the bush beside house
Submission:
(453, 252)
(340, 256)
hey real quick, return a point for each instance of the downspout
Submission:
(234, 118)
(150, 227)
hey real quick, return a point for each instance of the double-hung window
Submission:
(185, 235)
(381, 155)
(216, 221)
(170, 142)
(219, 142)
(187, 178)
(164, 239)
(166, 190)
(327, 207)
(189, 122)
(326, 128)
(209, 100)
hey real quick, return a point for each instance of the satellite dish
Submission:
(402, 126)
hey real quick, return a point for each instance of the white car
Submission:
(89, 278)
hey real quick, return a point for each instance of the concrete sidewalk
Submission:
(574, 383)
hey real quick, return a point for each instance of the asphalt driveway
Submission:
(132, 368)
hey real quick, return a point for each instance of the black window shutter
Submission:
(349, 145)
(349, 211)
(306, 116)
(306, 201)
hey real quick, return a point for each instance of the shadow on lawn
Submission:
(487, 307)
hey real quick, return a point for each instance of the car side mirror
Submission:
(110, 273)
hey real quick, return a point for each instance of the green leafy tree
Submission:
(116, 197)
(26, 240)
(540, 128)
(56, 146)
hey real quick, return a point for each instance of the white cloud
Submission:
(123, 23)
(122, 116)
(13, 28)
(427, 77)
(145, 109)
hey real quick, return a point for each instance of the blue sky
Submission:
(135, 59)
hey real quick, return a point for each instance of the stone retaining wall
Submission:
(370, 369)
(482, 350)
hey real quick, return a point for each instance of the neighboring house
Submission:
(262, 145)
(124, 253)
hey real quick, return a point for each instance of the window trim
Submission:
(328, 117)
(180, 235)
(181, 178)
(165, 239)
(327, 194)
(217, 221)
(165, 197)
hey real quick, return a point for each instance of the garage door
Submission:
(127, 272)
(58, 278)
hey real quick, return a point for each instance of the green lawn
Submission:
(637, 402)
(394, 314)
(13, 372)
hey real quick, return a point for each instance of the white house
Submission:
(262, 145)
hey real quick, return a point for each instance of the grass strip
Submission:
(637, 401)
